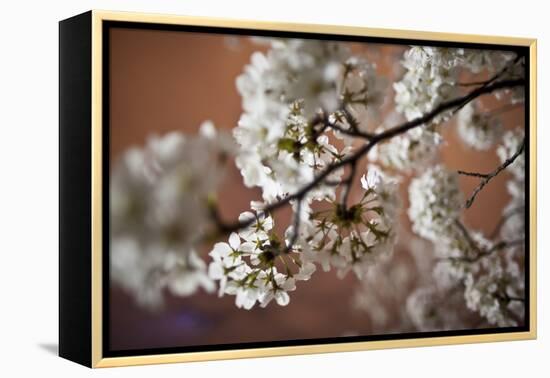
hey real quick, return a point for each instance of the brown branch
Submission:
(492, 80)
(497, 76)
(468, 237)
(353, 123)
(488, 177)
(348, 182)
(350, 132)
(474, 174)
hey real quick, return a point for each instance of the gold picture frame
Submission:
(90, 328)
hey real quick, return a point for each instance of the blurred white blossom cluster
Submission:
(435, 202)
(306, 125)
(478, 130)
(489, 271)
(432, 77)
(159, 213)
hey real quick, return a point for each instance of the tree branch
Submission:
(488, 177)
(364, 150)
(348, 182)
(353, 133)
(474, 174)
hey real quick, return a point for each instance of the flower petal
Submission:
(220, 250)
(234, 241)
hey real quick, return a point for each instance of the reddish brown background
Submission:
(164, 81)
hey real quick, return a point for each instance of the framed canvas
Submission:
(235, 189)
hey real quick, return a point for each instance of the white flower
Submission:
(355, 238)
(413, 150)
(152, 244)
(188, 276)
(511, 143)
(144, 270)
(478, 130)
(514, 212)
(432, 74)
(485, 295)
(371, 179)
(491, 60)
(490, 274)
(422, 308)
(305, 272)
(362, 88)
(435, 202)
(457, 255)
(276, 287)
(280, 91)
(429, 81)
(247, 269)
(259, 227)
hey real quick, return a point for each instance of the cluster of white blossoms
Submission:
(430, 309)
(257, 265)
(158, 209)
(430, 79)
(497, 291)
(283, 165)
(495, 284)
(431, 73)
(458, 252)
(412, 151)
(282, 144)
(292, 69)
(247, 266)
(361, 90)
(355, 237)
(435, 202)
(478, 130)
(488, 271)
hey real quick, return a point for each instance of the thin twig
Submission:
(296, 227)
(491, 80)
(353, 123)
(474, 174)
(353, 133)
(488, 177)
(471, 83)
(468, 237)
(497, 76)
(348, 183)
